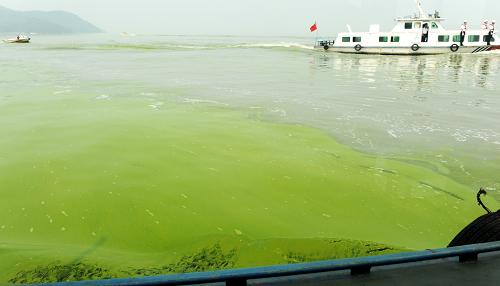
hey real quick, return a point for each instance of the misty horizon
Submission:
(258, 18)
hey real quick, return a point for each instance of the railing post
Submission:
(361, 270)
(236, 282)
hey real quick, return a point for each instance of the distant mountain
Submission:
(54, 22)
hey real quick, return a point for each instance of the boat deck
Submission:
(485, 271)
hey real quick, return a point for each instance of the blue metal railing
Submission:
(241, 276)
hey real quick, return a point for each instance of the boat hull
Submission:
(15, 41)
(409, 50)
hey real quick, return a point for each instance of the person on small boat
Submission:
(463, 31)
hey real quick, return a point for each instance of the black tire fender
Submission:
(484, 229)
(415, 47)
(326, 47)
(454, 47)
(358, 47)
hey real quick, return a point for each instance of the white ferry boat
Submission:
(421, 34)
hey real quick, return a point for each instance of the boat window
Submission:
(356, 39)
(473, 38)
(383, 39)
(346, 39)
(456, 38)
(408, 26)
(434, 25)
(485, 38)
(395, 39)
(417, 25)
(444, 38)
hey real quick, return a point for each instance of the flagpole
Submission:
(316, 24)
(314, 28)
(317, 31)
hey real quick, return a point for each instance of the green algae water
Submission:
(130, 156)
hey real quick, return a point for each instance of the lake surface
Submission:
(159, 150)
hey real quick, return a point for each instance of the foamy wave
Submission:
(203, 101)
(181, 46)
(275, 45)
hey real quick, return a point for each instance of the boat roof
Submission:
(421, 16)
(418, 19)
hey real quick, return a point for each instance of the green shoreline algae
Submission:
(146, 182)
(215, 253)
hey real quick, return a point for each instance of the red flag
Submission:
(313, 27)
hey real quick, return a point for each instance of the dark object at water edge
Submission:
(486, 228)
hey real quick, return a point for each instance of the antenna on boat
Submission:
(420, 10)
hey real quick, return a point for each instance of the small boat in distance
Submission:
(421, 34)
(20, 39)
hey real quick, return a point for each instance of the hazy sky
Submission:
(255, 17)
